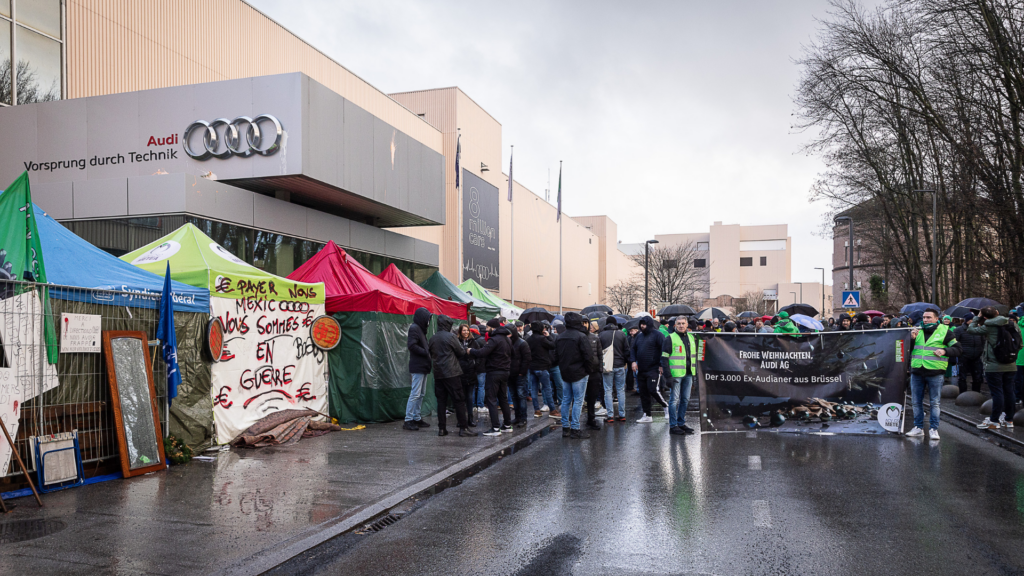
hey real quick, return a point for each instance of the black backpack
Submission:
(1008, 343)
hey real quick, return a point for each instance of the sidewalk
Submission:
(249, 510)
(971, 416)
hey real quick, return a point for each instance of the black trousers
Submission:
(445, 389)
(649, 390)
(976, 368)
(496, 386)
(469, 385)
(595, 393)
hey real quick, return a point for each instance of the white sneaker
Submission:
(918, 432)
(666, 412)
(988, 423)
(598, 405)
(1008, 424)
(601, 412)
(933, 434)
(545, 408)
(645, 420)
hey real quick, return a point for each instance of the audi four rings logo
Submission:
(240, 137)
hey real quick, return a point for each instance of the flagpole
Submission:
(458, 196)
(513, 220)
(560, 237)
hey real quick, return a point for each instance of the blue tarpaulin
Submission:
(71, 261)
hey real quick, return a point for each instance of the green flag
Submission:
(21, 254)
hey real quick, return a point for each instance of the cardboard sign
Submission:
(80, 333)
(10, 412)
(21, 319)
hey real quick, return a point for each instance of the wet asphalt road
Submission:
(634, 500)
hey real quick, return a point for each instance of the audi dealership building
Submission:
(133, 118)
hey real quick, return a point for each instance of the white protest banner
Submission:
(269, 362)
(20, 326)
(80, 333)
(10, 412)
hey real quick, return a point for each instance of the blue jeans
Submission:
(678, 400)
(540, 387)
(917, 385)
(419, 387)
(556, 385)
(573, 395)
(616, 378)
(481, 379)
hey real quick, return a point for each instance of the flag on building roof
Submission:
(559, 217)
(510, 174)
(458, 159)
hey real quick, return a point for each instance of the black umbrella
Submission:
(536, 314)
(634, 323)
(915, 310)
(979, 303)
(749, 314)
(676, 310)
(596, 315)
(596, 308)
(957, 312)
(805, 309)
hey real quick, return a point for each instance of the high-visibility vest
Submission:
(677, 358)
(923, 357)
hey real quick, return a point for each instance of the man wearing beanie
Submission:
(541, 344)
(575, 362)
(785, 325)
(497, 353)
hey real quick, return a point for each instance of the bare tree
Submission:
(754, 301)
(626, 296)
(673, 275)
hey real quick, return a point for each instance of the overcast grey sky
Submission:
(668, 115)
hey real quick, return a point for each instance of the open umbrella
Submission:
(536, 314)
(805, 309)
(709, 313)
(676, 310)
(598, 315)
(979, 303)
(766, 317)
(915, 310)
(807, 322)
(748, 314)
(957, 312)
(634, 323)
(596, 308)
(622, 318)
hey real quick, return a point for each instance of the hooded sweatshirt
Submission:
(520, 354)
(445, 350)
(419, 356)
(990, 329)
(541, 347)
(497, 351)
(646, 349)
(785, 325)
(612, 336)
(573, 350)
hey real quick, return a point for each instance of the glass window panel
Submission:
(38, 67)
(43, 15)
(5, 61)
(5, 8)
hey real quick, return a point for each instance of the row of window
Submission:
(31, 51)
(703, 263)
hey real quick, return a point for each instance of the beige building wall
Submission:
(118, 46)
(613, 266)
(789, 293)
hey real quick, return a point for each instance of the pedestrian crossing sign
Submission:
(851, 299)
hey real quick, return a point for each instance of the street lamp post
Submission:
(822, 291)
(647, 255)
(794, 297)
(837, 219)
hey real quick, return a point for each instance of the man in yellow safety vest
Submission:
(934, 345)
(679, 363)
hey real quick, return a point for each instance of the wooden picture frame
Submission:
(121, 342)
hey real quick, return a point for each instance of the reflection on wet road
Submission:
(633, 499)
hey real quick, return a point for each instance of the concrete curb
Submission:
(447, 477)
(972, 426)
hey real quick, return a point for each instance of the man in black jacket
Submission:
(576, 359)
(497, 353)
(520, 367)
(419, 367)
(970, 361)
(445, 352)
(595, 381)
(646, 357)
(614, 376)
(541, 345)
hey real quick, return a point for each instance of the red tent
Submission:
(393, 275)
(352, 288)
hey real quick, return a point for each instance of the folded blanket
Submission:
(282, 428)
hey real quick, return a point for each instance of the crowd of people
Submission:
(578, 370)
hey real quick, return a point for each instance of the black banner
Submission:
(836, 382)
(479, 231)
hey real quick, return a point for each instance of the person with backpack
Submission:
(934, 344)
(1003, 342)
(615, 347)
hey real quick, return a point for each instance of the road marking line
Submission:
(754, 462)
(762, 515)
(752, 434)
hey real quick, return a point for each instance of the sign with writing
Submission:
(80, 333)
(479, 231)
(746, 380)
(268, 362)
(10, 412)
(325, 332)
(21, 319)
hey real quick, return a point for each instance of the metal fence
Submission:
(80, 398)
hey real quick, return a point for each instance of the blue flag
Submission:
(165, 333)
(558, 218)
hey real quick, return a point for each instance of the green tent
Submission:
(481, 293)
(442, 287)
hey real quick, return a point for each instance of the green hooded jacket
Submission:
(1020, 355)
(785, 325)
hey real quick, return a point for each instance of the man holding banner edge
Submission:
(934, 345)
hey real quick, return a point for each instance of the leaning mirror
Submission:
(133, 397)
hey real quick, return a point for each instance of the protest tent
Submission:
(477, 291)
(369, 379)
(393, 275)
(269, 362)
(444, 288)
